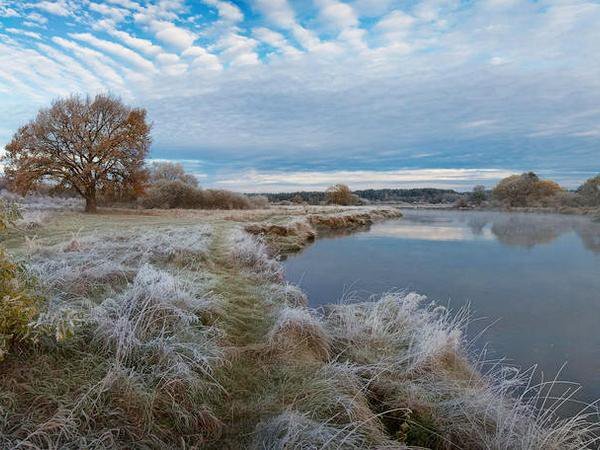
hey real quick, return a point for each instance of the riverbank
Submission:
(176, 329)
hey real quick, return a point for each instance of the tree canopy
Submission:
(524, 190)
(89, 145)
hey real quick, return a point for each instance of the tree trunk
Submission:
(90, 204)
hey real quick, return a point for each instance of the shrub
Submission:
(18, 306)
(172, 194)
(340, 194)
(178, 194)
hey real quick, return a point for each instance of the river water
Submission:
(532, 281)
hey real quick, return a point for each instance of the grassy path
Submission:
(247, 318)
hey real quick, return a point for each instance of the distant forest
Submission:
(424, 195)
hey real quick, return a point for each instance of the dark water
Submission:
(534, 278)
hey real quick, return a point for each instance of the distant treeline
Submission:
(424, 195)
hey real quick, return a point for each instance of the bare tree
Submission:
(478, 196)
(168, 171)
(90, 145)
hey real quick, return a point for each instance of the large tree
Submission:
(525, 190)
(90, 145)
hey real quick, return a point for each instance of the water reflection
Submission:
(517, 229)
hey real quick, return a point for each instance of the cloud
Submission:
(202, 59)
(97, 61)
(281, 14)
(118, 50)
(227, 11)
(275, 40)
(325, 85)
(58, 7)
(336, 14)
(30, 34)
(129, 4)
(143, 45)
(116, 14)
(255, 181)
(170, 34)
(37, 18)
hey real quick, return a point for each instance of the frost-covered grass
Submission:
(412, 355)
(179, 332)
(299, 328)
(251, 254)
(136, 344)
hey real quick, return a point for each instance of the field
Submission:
(176, 329)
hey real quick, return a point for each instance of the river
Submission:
(532, 281)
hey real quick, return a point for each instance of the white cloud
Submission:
(116, 14)
(336, 14)
(30, 34)
(274, 39)
(278, 12)
(37, 18)
(116, 49)
(170, 34)
(202, 59)
(260, 181)
(8, 12)
(58, 7)
(98, 62)
(227, 10)
(238, 50)
(143, 45)
(129, 4)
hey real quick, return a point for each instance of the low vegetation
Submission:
(179, 331)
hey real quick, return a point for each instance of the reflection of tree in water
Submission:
(477, 224)
(590, 236)
(528, 231)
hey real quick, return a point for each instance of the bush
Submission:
(340, 194)
(18, 307)
(172, 194)
(177, 194)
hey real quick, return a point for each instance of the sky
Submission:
(281, 95)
